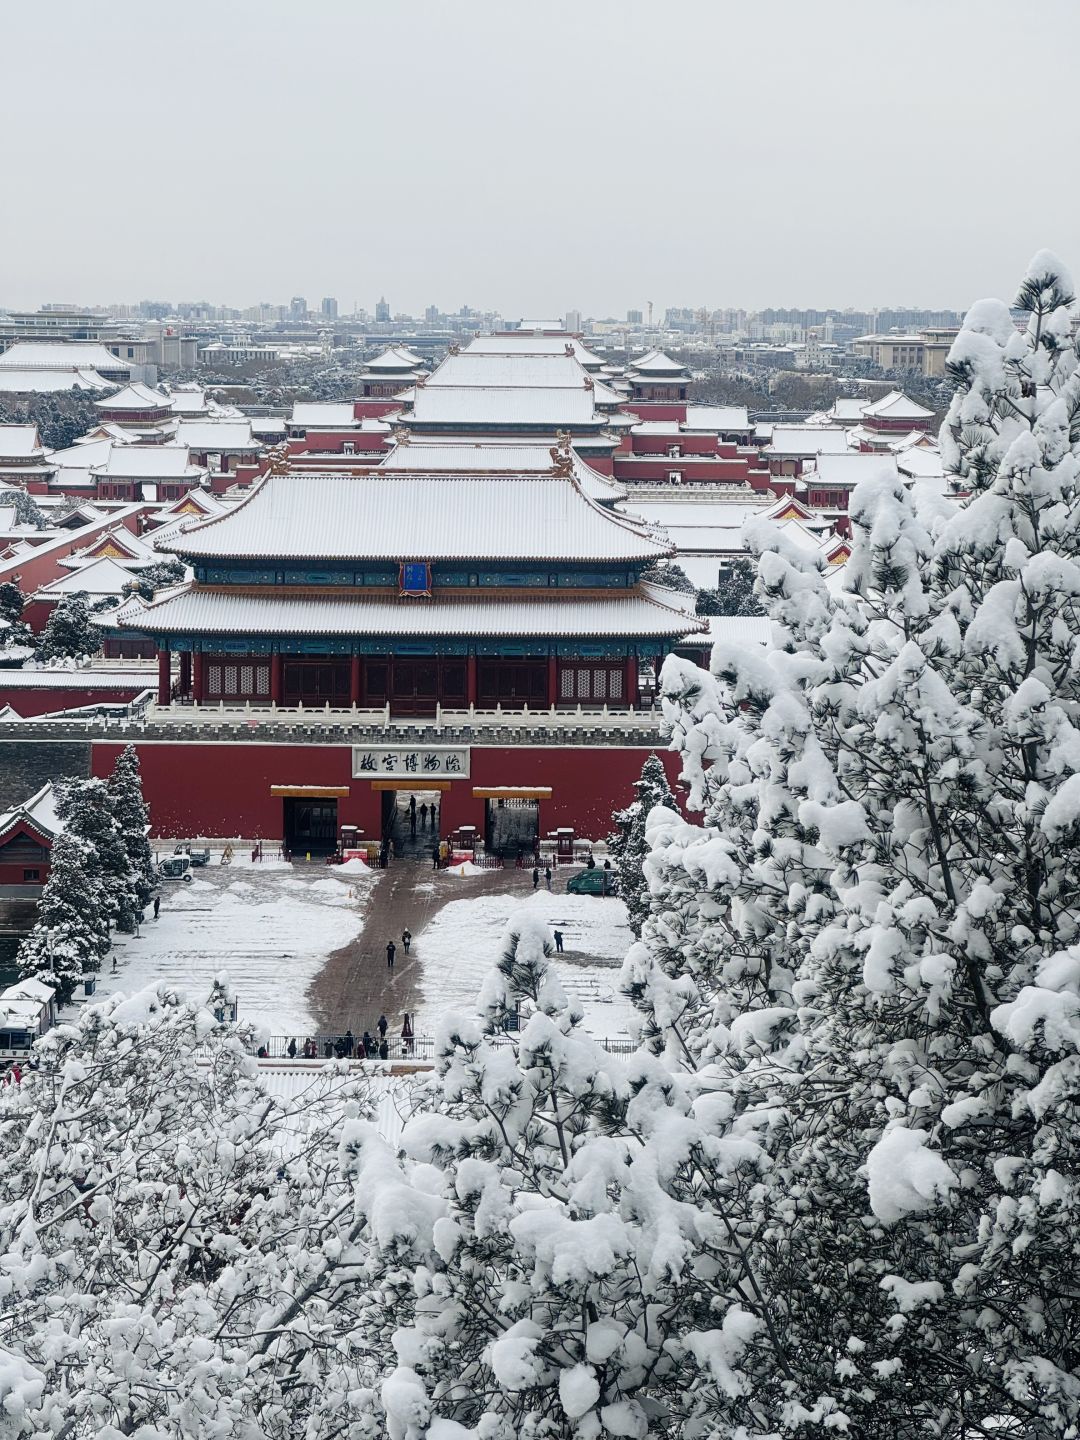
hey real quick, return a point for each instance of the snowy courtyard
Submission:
(273, 928)
(269, 928)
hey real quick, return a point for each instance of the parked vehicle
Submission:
(176, 867)
(197, 857)
(596, 881)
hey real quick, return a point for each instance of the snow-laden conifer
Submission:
(71, 934)
(180, 1253)
(628, 845)
(86, 808)
(547, 1242)
(131, 815)
(69, 633)
(892, 793)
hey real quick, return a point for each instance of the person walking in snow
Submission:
(406, 1035)
(423, 816)
(435, 857)
(384, 1049)
(391, 951)
(558, 937)
(536, 876)
(547, 875)
(382, 1027)
(406, 938)
(157, 906)
(291, 1049)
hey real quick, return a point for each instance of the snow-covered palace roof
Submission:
(434, 517)
(648, 610)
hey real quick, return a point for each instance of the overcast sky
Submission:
(594, 154)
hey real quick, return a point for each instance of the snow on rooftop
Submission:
(20, 442)
(475, 367)
(379, 516)
(526, 343)
(218, 435)
(104, 576)
(60, 355)
(646, 611)
(28, 382)
(148, 462)
(507, 405)
(656, 362)
(327, 414)
(846, 470)
(717, 417)
(135, 397)
(808, 440)
(896, 406)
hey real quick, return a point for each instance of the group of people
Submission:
(348, 1046)
(423, 814)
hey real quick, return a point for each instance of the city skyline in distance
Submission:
(731, 156)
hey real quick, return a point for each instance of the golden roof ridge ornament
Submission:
(279, 459)
(402, 435)
(562, 456)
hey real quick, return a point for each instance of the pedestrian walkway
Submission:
(416, 845)
(355, 987)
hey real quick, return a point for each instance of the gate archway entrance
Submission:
(511, 817)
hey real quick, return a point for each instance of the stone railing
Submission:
(351, 726)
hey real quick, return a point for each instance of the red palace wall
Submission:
(376, 406)
(656, 409)
(223, 790)
(27, 701)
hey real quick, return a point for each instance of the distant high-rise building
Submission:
(329, 308)
(382, 311)
(431, 314)
(298, 308)
(573, 321)
(635, 317)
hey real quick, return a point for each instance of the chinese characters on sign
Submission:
(412, 763)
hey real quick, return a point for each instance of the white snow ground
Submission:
(269, 929)
(461, 944)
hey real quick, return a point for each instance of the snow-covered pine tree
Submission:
(180, 1253)
(71, 934)
(27, 511)
(86, 808)
(550, 1261)
(68, 633)
(911, 778)
(130, 812)
(627, 841)
(12, 602)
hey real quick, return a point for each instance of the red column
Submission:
(185, 672)
(553, 680)
(631, 680)
(470, 679)
(163, 677)
(356, 681)
(198, 679)
(277, 679)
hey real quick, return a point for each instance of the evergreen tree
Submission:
(549, 1218)
(180, 1253)
(71, 934)
(735, 595)
(27, 511)
(627, 843)
(669, 574)
(131, 815)
(891, 798)
(12, 602)
(14, 632)
(68, 633)
(86, 807)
